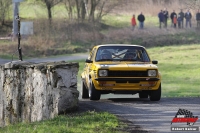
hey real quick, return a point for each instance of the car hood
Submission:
(126, 66)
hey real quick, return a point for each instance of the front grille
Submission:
(127, 74)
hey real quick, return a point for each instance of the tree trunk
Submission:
(48, 5)
(78, 10)
(83, 10)
(92, 10)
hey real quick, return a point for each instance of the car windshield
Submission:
(122, 53)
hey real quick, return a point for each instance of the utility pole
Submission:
(16, 25)
(19, 38)
(15, 14)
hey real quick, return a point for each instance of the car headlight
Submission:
(152, 73)
(103, 73)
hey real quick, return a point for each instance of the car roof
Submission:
(119, 45)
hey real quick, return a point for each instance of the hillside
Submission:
(65, 36)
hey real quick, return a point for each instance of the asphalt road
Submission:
(145, 115)
(141, 115)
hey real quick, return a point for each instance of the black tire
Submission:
(93, 93)
(84, 90)
(143, 95)
(155, 95)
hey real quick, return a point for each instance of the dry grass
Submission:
(64, 37)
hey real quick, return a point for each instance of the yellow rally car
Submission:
(120, 69)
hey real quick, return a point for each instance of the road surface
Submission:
(145, 115)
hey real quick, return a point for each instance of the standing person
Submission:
(198, 19)
(165, 12)
(181, 17)
(133, 22)
(172, 17)
(188, 17)
(141, 20)
(175, 21)
(161, 18)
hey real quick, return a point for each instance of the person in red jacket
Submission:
(133, 22)
(175, 21)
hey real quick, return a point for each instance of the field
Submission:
(67, 37)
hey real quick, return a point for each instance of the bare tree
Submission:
(69, 5)
(81, 9)
(105, 7)
(192, 4)
(91, 10)
(93, 5)
(49, 5)
(4, 10)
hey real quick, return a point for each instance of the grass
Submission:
(179, 67)
(122, 21)
(88, 122)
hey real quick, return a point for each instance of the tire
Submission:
(155, 95)
(143, 95)
(84, 90)
(93, 93)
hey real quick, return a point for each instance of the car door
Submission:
(88, 67)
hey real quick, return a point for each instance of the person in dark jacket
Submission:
(181, 14)
(172, 17)
(161, 18)
(188, 17)
(179, 19)
(198, 19)
(165, 12)
(141, 20)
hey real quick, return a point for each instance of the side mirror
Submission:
(88, 61)
(155, 62)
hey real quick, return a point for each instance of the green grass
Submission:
(88, 122)
(179, 67)
(122, 21)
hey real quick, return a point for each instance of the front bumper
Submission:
(127, 79)
(128, 84)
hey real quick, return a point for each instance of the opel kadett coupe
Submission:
(120, 69)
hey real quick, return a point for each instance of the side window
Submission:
(145, 57)
(91, 56)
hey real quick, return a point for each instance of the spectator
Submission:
(133, 22)
(165, 12)
(198, 19)
(161, 18)
(175, 21)
(141, 20)
(172, 17)
(188, 17)
(181, 17)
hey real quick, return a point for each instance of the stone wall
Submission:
(32, 92)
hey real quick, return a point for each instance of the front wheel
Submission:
(85, 94)
(155, 95)
(93, 93)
